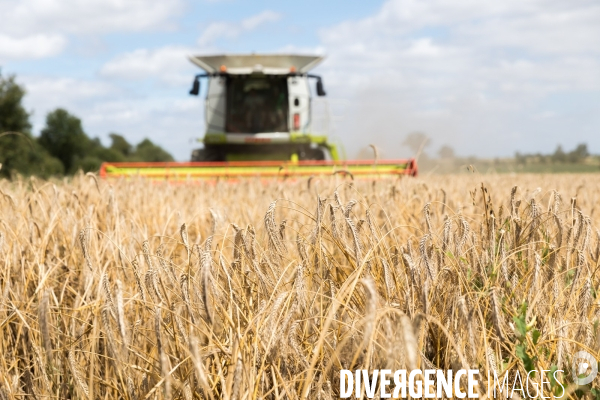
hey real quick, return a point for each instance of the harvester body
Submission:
(258, 108)
(258, 122)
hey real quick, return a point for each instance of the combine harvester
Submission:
(258, 124)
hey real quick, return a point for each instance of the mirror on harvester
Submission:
(195, 87)
(320, 89)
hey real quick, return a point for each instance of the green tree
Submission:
(13, 116)
(148, 151)
(446, 152)
(106, 153)
(64, 138)
(559, 155)
(120, 144)
(416, 141)
(19, 152)
(579, 154)
(94, 155)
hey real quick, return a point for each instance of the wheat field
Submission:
(141, 290)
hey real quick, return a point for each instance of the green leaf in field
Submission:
(521, 322)
(521, 351)
(545, 250)
(550, 374)
(545, 351)
(535, 335)
(521, 326)
(523, 309)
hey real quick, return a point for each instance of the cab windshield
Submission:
(257, 104)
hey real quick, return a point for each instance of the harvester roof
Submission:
(248, 63)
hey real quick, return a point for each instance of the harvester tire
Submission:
(313, 154)
(205, 155)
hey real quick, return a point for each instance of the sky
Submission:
(487, 78)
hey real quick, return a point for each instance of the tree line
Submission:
(560, 156)
(418, 141)
(62, 147)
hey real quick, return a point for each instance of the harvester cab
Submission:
(258, 108)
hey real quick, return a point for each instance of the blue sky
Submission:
(486, 78)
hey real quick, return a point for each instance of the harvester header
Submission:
(258, 122)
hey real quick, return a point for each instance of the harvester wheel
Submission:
(313, 154)
(205, 155)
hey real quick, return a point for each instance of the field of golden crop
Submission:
(140, 290)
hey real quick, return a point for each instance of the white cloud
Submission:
(294, 49)
(550, 29)
(45, 94)
(168, 64)
(424, 47)
(476, 74)
(218, 30)
(30, 47)
(70, 90)
(25, 17)
(31, 29)
(253, 22)
(230, 30)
